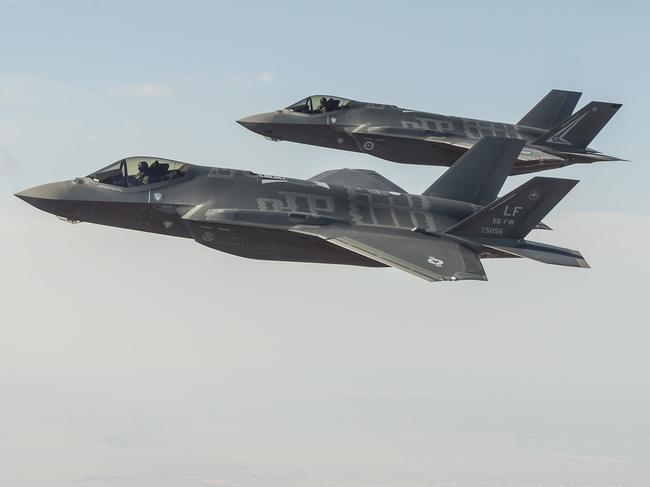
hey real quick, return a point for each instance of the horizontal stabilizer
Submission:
(556, 106)
(517, 213)
(478, 175)
(548, 254)
(580, 129)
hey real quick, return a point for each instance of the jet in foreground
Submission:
(344, 216)
(554, 137)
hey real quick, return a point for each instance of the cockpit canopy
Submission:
(319, 104)
(139, 171)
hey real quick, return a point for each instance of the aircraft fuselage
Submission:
(271, 203)
(408, 136)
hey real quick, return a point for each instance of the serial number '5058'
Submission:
(492, 230)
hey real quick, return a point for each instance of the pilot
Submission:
(143, 173)
(323, 105)
(155, 172)
(328, 105)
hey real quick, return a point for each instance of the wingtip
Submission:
(542, 226)
(581, 261)
(615, 106)
(607, 158)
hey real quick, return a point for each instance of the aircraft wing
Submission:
(370, 139)
(357, 178)
(425, 256)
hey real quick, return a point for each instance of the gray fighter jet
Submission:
(554, 137)
(344, 216)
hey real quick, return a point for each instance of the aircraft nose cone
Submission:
(246, 122)
(261, 123)
(29, 195)
(250, 122)
(23, 195)
(44, 191)
(45, 197)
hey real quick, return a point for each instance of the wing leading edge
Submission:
(357, 178)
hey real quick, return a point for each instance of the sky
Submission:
(129, 359)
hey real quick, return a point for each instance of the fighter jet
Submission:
(554, 137)
(345, 216)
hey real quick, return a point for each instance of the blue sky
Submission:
(262, 373)
(122, 78)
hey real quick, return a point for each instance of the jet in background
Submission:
(554, 137)
(344, 216)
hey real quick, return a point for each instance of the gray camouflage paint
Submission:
(160, 208)
(416, 137)
(326, 219)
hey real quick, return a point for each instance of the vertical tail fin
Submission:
(514, 215)
(478, 175)
(556, 106)
(580, 129)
